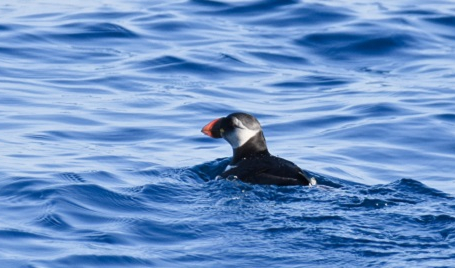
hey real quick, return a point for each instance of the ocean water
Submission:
(102, 163)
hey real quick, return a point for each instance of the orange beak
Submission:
(212, 129)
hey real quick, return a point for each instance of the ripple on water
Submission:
(87, 31)
(110, 260)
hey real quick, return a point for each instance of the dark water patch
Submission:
(14, 52)
(83, 32)
(157, 232)
(96, 260)
(446, 21)
(366, 203)
(23, 34)
(103, 238)
(348, 45)
(127, 134)
(174, 65)
(5, 28)
(308, 15)
(24, 156)
(282, 59)
(228, 58)
(156, 191)
(446, 117)
(314, 82)
(7, 234)
(107, 84)
(210, 3)
(257, 7)
(172, 25)
(160, 62)
(72, 56)
(12, 24)
(61, 118)
(26, 189)
(122, 163)
(212, 108)
(326, 122)
(438, 219)
(99, 198)
(381, 110)
(131, 116)
(372, 130)
(414, 11)
(418, 188)
(42, 16)
(381, 45)
(102, 15)
(68, 87)
(9, 101)
(82, 216)
(53, 221)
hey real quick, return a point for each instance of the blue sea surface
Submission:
(102, 163)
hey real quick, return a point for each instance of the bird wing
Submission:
(271, 170)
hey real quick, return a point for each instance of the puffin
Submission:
(251, 161)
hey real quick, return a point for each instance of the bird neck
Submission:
(254, 147)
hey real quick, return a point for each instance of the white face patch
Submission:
(240, 135)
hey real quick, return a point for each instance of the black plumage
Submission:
(251, 160)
